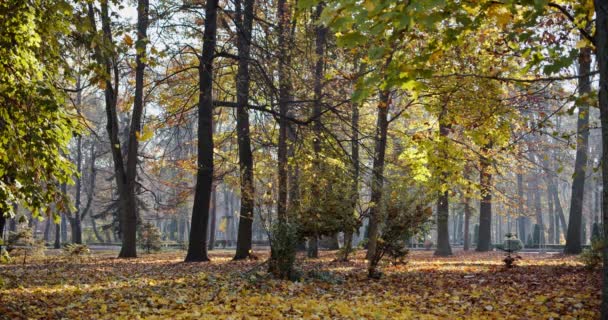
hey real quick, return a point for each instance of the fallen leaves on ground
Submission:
(160, 286)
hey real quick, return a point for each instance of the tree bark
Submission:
(538, 210)
(601, 38)
(573, 238)
(467, 222)
(484, 241)
(197, 247)
(443, 235)
(75, 222)
(284, 93)
(211, 244)
(244, 26)
(57, 244)
(2, 224)
(443, 205)
(551, 229)
(377, 176)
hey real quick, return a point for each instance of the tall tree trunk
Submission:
(601, 38)
(551, 230)
(105, 58)
(129, 217)
(443, 235)
(197, 248)
(2, 224)
(57, 244)
(377, 178)
(64, 224)
(245, 21)
(573, 238)
(443, 205)
(538, 210)
(467, 222)
(320, 38)
(521, 227)
(75, 218)
(354, 147)
(211, 244)
(284, 93)
(47, 230)
(484, 241)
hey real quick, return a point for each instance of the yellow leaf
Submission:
(127, 40)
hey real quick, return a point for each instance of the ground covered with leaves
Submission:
(160, 286)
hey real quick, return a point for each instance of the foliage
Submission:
(592, 256)
(467, 285)
(149, 237)
(76, 250)
(23, 242)
(325, 205)
(405, 212)
(35, 128)
(283, 241)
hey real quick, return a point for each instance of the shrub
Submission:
(149, 237)
(75, 250)
(23, 241)
(5, 257)
(405, 213)
(592, 256)
(283, 241)
(512, 244)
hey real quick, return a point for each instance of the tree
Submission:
(244, 25)
(573, 238)
(197, 245)
(484, 240)
(34, 123)
(601, 38)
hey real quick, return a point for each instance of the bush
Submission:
(512, 245)
(24, 242)
(149, 237)
(283, 242)
(592, 256)
(5, 257)
(405, 213)
(75, 250)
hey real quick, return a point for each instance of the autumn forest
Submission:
(303, 159)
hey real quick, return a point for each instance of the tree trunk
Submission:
(484, 241)
(57, 244)
(284, 93)
(601, 38)
(129, 218)
(211, 244)
(538, 211)
(573, 238)
(377, 177)
(244, 26)
(443, 235)
(64, 225)
(467, 222)
(197, 248)
(2, 224)
(47, 230)
(551, 230)
(443, 205)
(75, 219)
